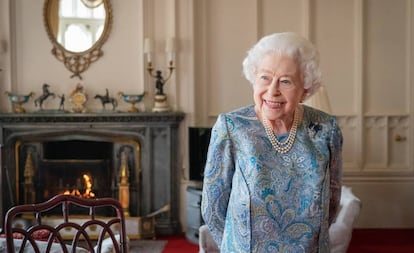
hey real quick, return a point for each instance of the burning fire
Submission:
(88, 191)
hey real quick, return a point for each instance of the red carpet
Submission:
(363, 241)
(179, 244)
(382, 241)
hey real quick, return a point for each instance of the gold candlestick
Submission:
(123, 185)
(29, 172)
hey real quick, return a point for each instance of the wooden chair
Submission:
(108, 228)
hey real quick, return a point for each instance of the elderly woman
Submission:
(272, 180)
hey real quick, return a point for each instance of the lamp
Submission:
(320, 100)
(161, 104)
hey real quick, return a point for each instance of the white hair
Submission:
(290, 44)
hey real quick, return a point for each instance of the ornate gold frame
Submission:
(78, 62)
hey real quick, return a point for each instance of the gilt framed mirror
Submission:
(77, 29)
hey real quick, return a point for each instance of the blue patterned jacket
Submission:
(258, 200)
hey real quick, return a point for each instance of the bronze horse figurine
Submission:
(106, 99)
(46, 93)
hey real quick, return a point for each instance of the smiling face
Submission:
(278, 89)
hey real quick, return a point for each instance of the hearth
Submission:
(129, 156)
(83, 167)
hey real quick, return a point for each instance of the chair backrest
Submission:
(66, 232)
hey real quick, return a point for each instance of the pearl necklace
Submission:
(285, 146)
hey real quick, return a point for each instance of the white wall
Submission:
(366, 58)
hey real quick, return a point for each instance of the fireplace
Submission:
(131, 157)
(82, 166)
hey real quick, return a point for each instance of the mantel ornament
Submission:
(160, 98)
(78, 98)
(106, 99)
(46, 93)
(18, 100)
(132, 99)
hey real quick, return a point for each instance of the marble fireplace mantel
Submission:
(155, 133)
(111, 117)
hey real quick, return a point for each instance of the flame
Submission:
(88, 183)
(88, 191)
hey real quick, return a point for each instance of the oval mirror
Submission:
(77, 30)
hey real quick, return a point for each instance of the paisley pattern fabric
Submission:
(257, 200)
